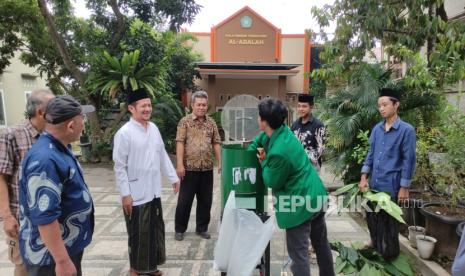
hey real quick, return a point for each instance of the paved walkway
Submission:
(107, 255)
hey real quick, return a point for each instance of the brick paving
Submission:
(107, 255)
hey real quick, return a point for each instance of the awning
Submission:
(245, 69)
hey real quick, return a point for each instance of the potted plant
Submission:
(447, 173)
(425, 246)
(442, 219)
(102, 151)
(419, 188)
(413, 232)
(411, 212)
(85, 143)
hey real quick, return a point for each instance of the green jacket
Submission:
(296, 186)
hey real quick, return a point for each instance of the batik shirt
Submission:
(52, 188)
(311, 135)
(198, 137)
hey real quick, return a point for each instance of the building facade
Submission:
(246, 54)
(16, 83)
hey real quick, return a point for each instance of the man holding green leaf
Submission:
(390, 163)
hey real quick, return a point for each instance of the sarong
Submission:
(146, 237)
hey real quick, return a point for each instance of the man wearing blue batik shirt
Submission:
(56, 209)
(390, 163)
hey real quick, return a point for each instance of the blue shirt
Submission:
(458, 267)
(391, 158)
(52, 188)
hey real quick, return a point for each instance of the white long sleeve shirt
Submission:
(140, 160)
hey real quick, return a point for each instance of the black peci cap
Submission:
(305, 98)
(388, 92)
(134, 96)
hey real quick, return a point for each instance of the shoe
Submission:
(179, 236)
(204, 235)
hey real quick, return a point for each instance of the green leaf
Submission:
(345, 189)
(383, 200)
(349, 197)
(135, 56)
(402, 264)
(349, 269)
(365, 271)
(125, 81)
(391, 270)
(125, 63)
(343, 252)
(134, 83)
(368, 270)
(352, 256)
(340, 266)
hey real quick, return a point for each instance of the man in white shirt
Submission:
(140, 160)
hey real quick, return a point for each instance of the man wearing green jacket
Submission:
(299, 194)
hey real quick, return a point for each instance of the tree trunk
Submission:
(429, 40)
(110, 129)
(96, 132)
(118, 35)
(60, 43)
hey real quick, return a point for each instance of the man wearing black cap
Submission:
(390, 163)
(56, 209)
(140, 161)
(309, 130)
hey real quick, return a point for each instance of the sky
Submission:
(291, 16)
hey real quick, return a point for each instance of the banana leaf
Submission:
(383, 200)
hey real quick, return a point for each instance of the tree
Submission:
(67, 49)
(113, 76)
(351, 112)
(403, 27)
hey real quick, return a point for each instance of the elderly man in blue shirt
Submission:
(56, 207)
(390, 163)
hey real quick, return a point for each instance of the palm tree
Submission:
(113, 76)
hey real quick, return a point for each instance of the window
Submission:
(27, 94)
(2, 110)
(29, 82)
